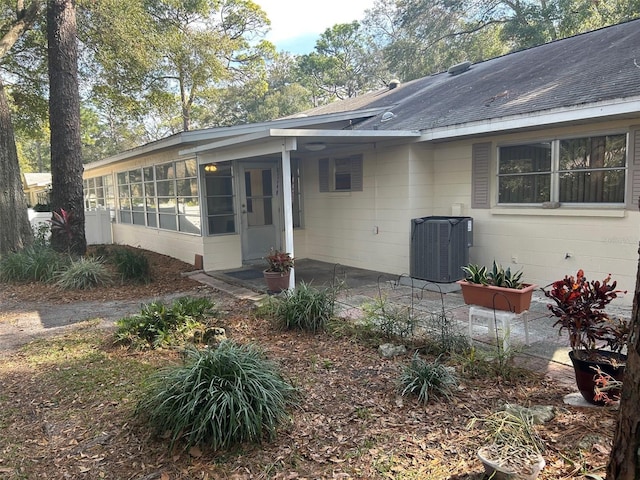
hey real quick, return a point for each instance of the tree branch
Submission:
(24, 20)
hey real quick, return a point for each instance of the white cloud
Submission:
(303, 18)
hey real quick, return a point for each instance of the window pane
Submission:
(222, 224)
(219, 185)
(593, 152)
(122, 178)
(592, 186)
(524, 173)
(135, 176)
(525, 158)
(592, 169)
(188, 205)
(343, 181)
(165, 188)
(150, 189)
(168, 222)
(125, 217)
(166, 205)
(189, 223)
(525, 189)
(148, 174)
(164, 172)
(152, 220)
(342, 174)
(187, 188)
(219, 205)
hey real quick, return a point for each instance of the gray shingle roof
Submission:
(585, 69)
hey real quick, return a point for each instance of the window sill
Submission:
(560, 212)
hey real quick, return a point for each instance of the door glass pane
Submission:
(258, 189)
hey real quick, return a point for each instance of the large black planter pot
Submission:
(585, 373)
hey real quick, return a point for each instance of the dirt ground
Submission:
(350, 423)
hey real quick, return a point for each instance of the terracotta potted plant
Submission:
(496, 288)
(596, 338)
(279, 270)
(512, 450)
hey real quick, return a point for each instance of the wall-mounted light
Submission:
(211, 167)
(315, 146)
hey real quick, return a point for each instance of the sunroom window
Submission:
(588, 170)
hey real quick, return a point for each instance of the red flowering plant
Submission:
(580, 305)
(279, 261)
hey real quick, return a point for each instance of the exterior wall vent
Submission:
(459, 68)
(386, 116)
(440, 248)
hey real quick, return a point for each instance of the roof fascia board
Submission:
(227, 142)
(277, 132)
(211, 133)
(550, 117)
(269, 147)
(382, 134)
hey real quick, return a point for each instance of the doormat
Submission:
(249, 274)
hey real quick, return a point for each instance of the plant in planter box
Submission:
(497, 288)
(596, 338)
(279, 269)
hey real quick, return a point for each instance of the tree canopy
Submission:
(151, 68)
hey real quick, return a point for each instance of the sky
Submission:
(297, 24)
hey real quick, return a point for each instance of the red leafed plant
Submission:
(62, 221)
(279, 261)
(579, 305)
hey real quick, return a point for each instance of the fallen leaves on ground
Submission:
(350, 422)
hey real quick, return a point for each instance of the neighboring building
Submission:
(541, 147)
(36, 188)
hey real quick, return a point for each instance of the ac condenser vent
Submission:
(440, 248)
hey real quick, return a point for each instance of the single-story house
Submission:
(36, 187)
(541, 148)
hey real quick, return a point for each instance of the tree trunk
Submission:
(64, 122)
(624, 463)
(15, 232)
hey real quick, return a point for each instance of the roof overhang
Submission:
(276, 140)
(194, 137)
(618, 108)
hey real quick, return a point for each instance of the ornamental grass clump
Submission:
(304, 308)
(427, 380)
(131, 265)
(84, 274)
(218, 398)
(35, 263)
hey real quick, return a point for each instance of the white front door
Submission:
(260, 198)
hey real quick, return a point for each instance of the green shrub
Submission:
(84, 274)
(426, 379)
(158, 324)
(391, 320)
(35, 263)
(131, 265)
(304, 308)
(443, 335)
(218, 398)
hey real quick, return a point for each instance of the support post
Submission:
(288, 207)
